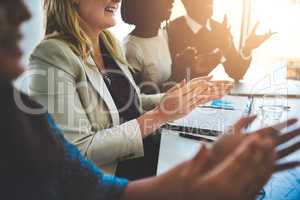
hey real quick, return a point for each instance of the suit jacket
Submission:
(76, 95)
(181, 37)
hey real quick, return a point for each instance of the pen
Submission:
(217, 107)
(195, 137)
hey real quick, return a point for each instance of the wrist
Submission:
(163, 187)
(247, 51)
(149, 122)
(226, 51)
(176, 183)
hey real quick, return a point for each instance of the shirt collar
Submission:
(194, 25)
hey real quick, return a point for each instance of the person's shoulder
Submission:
(18, 99)
(52, 46)
(135, 41)
(176, 23)
(133, 45)
(58, 54)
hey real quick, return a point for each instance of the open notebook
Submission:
(213, 118)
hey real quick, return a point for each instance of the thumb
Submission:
(206, 78)
(202, 155)
(177, 86)
(225, 21)
(242, 123)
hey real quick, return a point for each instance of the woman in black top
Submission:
(121, 90)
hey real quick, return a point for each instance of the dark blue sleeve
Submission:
(109, 187)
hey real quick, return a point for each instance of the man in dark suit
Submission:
(198, 43)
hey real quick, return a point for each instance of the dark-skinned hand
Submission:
(254, 41)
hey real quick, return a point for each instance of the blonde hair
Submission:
(63, 22)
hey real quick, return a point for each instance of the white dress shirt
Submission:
(196, 27)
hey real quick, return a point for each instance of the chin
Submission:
(109, 24)
(11, 66)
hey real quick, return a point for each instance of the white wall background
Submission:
(33, 29)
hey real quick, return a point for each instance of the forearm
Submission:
(236, 65)
(163, 187)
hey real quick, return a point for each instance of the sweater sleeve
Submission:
(107, 187)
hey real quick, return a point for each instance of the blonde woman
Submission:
(80, 74)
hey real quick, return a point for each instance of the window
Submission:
(283, 17)
(233, 8)
(32, 29)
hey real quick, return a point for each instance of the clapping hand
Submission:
(254, 40)
(193, 64)
(184, 64)
(239, 165)
(187, 58)
(184, 97)
(235, 136)
(223, 37)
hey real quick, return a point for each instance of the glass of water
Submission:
(273, 108)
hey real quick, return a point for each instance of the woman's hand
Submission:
(235, 168)
(226, 145)
(181, 100)
(246, 161)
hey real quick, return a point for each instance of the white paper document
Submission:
(215, 117)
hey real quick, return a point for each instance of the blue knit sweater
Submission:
(108, 187)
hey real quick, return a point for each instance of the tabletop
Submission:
(282, 186)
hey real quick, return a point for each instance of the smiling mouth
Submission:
(111, 9)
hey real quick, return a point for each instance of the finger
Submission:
(229, 28)
(225, 21)
(195, 103)
(244, 122)
(220, 87)
(194, 94)
(265, 37)
(220, 91)
(288, 136)
(192, 50)
(206, 78)
(222, 82)
(207, 98)
(273, 131)
(195, 84)
(272, 33)
(177, 86)
(202, 155)
(254, 28)
(202, 78)
(286, 166)
(289, 150)
(186, 89)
